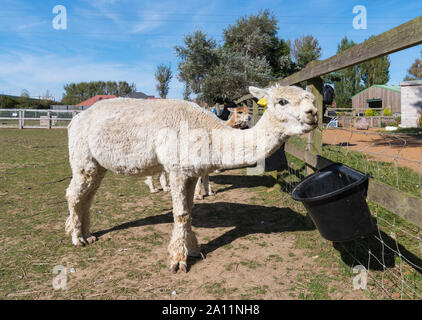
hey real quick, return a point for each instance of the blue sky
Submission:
(126, 40)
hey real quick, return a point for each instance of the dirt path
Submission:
(405, 149)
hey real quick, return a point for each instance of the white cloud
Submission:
(27, 26)
(36, 73)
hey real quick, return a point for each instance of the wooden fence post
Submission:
(49, 119)
(20, 119)
(315, 85)
(255, 110)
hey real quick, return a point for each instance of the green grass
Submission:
(391, 226)
(412, 131)
(34, 175)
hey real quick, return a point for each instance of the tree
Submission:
(233, 74)
(375, 71)
(25, 93)
(198, 56)
(415, 70)
(251, 54)
(47, 95)
(305, 50)
(256, 36)
(347, 82)
(163, 75)
(78, 92)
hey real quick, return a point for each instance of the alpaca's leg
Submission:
(207, 185)
(183, 241)
(79, 195)
(149, 181)
(163, 181)
(198, 189)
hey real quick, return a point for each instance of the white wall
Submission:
(411, 103)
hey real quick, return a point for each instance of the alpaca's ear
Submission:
(232, 109)
(258, 92)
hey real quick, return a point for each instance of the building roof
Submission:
(138, 95)
(89, 102)
(383, 86)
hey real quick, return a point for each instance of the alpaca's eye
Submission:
(283, 102)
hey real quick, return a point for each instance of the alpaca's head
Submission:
(240, 117)
(291, 106)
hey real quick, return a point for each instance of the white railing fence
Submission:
(36, 118)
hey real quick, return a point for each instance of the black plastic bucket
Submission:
(335, 198)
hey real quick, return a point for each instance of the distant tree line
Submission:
(24, 102)
(78, 92)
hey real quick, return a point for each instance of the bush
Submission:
(387, 112)
(369, 113)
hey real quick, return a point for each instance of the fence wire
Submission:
(392, 256)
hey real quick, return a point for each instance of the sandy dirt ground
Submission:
(405, 149)
(251, 253)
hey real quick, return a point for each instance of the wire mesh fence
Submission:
(391, 257)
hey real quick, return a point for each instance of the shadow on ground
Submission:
(240, 181)
(245, 218)
(374, 254)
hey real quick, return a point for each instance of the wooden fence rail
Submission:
(402, 204)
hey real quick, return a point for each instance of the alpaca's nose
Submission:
(311, 111)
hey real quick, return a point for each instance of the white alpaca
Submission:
(145, 137)
(149, 181)
(239, 119)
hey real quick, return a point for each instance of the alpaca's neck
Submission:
(237, 148)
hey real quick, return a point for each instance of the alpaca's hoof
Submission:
(183, 267)
(84, 241)
(199, 197)
(154, 190)
(178, 266)
(167, 189)
(91, 239)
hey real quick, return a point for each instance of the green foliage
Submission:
(163, 75)
(347, 82)
(375, 71)
(352, 80)
(251, 54)
(387, 112)
(78, 92)
(8, 102)
(256, 37)
(233, 74)
(369, 113)
(305, 50)
(198, 56)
